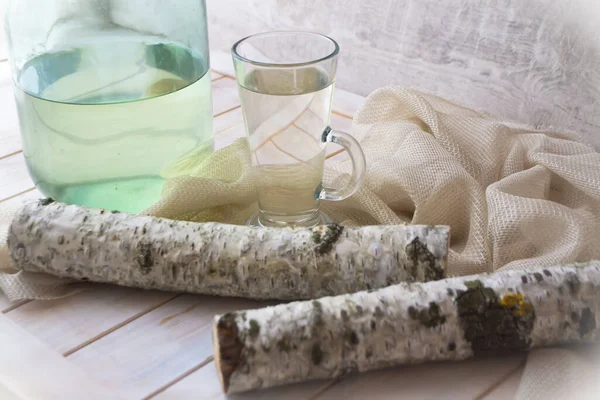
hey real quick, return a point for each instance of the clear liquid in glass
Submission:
(286, 112)
(104, 125)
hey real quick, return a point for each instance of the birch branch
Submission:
(227, 260)
(452, 319)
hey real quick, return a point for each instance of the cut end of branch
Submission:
(227, 348)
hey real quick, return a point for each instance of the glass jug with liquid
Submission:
(113, 96)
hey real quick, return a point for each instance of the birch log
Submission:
(452, 319)
(228, 260)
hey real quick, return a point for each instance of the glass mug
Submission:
(286, 81)
(113, 95)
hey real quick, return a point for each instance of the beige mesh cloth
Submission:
(514, 197)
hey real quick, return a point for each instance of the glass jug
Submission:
(113, 96)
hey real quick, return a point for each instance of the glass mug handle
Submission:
(358, 165)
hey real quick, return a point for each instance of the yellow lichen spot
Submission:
(524, 309)
(518, 303)
(511, 300)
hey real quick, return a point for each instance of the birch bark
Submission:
(451, 319)
(226, 260)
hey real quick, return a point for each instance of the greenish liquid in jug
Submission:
(104, 125)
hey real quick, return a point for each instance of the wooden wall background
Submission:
(535, 61)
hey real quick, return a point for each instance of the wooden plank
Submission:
(439, 381)
(204, 384)
(222, 62)
(225, 96)
(341, 123)
(31, 370)
(507, 389)
(66, 324)
(8, 394)
(14, 177)
(228, 120)
(10, 140)
(346, 103)
(156, 349)
(33, 194)
(231, 134)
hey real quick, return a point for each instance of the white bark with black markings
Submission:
(227, 260)
(451, 319)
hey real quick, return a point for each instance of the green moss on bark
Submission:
(47, 201)
(144, 258)
(325, 236)
(316, 354)
(587, 322)
(254, 329)
(430, 316)
(418, 253)
(492, 324)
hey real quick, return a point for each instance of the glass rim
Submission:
(239, 57)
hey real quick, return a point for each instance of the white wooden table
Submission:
(113, 342)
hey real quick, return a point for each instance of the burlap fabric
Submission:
(514, 197)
